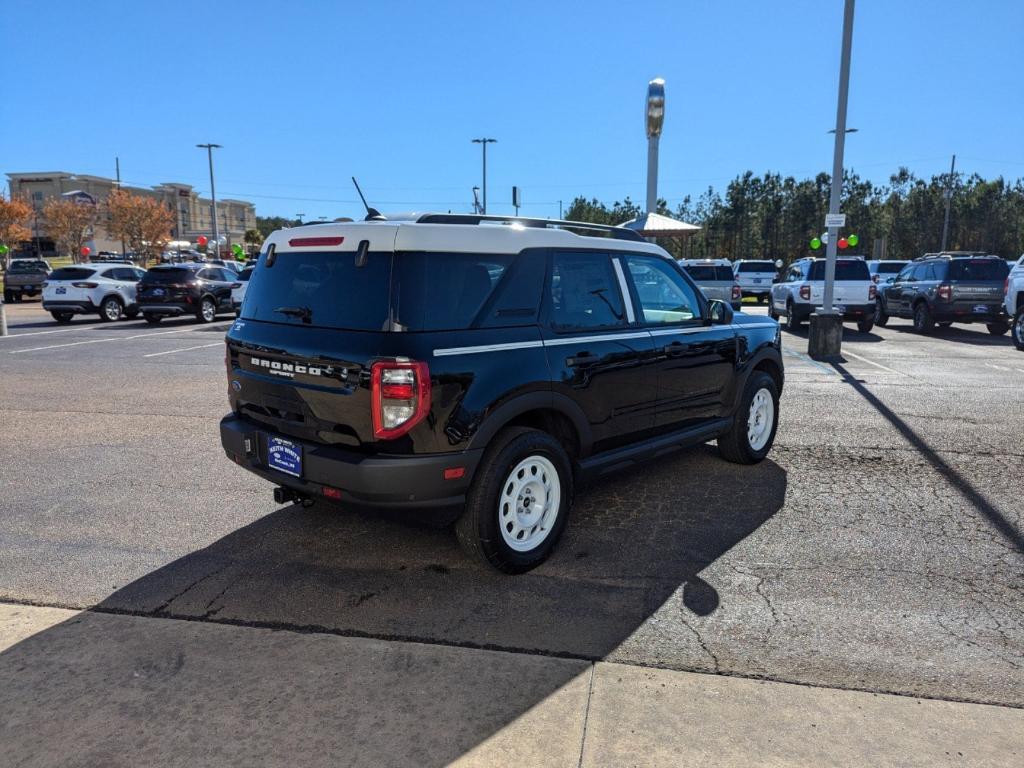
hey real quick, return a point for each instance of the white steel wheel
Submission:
(760, 419)
(528, 503)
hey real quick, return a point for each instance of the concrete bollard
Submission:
(3, 317)
(825, 336)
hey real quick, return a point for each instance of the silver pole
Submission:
(652, 173)
(949, 197)
(837, 158)
(3, 317)
(213, 196)
(485, 178)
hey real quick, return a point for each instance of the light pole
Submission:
(825, 335)
(299, 217)
(483, 142)
(213, 194)
(949, 198)
(655, 119)
(476, 200)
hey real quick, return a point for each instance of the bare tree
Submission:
(142, 222)
(70, 225)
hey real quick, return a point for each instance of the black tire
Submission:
(16, 297)
(63, 317)
(760, 298)
(997, 329)
(207, 311)
(735, 444)
(1018, 329)
(944, 325)
(131, 314)
(152, 319)
(8, 297)
(479, 527)
(923, 321)
(110, 309)
(881, 316)
(793, 322)
(865, 325)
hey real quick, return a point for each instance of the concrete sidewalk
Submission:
(91, 689)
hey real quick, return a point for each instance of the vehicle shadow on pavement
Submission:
(636, 545)
(981, 338)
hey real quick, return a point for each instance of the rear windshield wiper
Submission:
(304, 313)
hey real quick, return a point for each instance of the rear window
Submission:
(71, 273)
(980, 270)
(846, 269)
(163, 276)
(404, 291)
(709, 273)
(757, 266)
(27, 266)
(890, 267)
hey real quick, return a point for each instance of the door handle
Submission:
(675, 349)
(583, 358)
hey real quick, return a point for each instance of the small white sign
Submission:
(835, 220)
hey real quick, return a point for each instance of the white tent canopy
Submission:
(656, 225)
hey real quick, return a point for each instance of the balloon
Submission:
(853, 240)
(815, 243)
(86, 250)
(3, 249)
(842, 243)
(201, 240)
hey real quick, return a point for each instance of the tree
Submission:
(253, 238)
(14, 215)
(142, 222)
(70, 225)
(268, 224)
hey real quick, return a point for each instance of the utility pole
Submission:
(559, 210)
(299, 217)
(483, 142)
(655, 119)
(949, 198)
(825, 336)
(117, 170)
(476, 200)
(213, 195)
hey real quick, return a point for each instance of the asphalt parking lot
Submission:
(879, 548)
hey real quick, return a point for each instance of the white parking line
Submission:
(99, 341)
(186, 349)
(997, 367)
(872, 362)
(40, 333)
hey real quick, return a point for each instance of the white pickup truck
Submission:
(1013, 303)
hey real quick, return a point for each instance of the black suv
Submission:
(946, 288)
(185, 289)
(485, 366)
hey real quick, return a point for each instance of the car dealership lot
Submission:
(878, 548)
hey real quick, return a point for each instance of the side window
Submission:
(227, 275)
(794, 274)
(665, 295)
(584, 292)
(904, 274)
(920, 272)
(207, 274)
(517, 294)
(110, 274)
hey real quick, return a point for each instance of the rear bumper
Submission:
(756, 290)
(381, 481)
(850, 311)
(168, 309)
(951, 313)
(75, 307)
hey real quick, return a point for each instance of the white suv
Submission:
(84, 289)
(755, 278)
(1014, 302)
(802, 291)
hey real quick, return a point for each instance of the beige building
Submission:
(192, 213)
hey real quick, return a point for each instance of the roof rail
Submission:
(473, 218)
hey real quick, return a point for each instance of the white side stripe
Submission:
(487, 348)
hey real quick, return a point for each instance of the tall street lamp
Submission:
(825, 335)
(213, 193)
(483, 142)
(654, 119)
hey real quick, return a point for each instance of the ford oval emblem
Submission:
(236, 385)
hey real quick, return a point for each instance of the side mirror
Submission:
(719, 313)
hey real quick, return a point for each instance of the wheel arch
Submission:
(550, 412)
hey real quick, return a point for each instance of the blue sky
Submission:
(304, 95)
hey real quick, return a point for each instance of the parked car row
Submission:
(116, 289)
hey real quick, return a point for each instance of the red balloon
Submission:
(842, 243)
(202, 240)
(86, 250)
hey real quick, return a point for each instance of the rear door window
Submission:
(166, 276)
(71, 273)
(757, 266)
(703, 273)
(584, 293)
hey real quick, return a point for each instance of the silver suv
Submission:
(715, 278)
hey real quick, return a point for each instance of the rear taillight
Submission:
(805, 292)
(945, 292)
(872, 292)
(1006, 286)
(85, 285)
(400, 393)
(737, 294)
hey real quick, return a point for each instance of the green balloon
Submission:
(853, 240)
(815, 243)
(3, 249)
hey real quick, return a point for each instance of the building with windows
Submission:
(192, 212)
